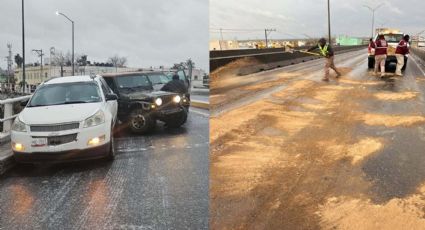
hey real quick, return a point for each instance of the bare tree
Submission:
(61, 59)
(117, 61)
(122, 62)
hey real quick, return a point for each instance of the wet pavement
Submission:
(157, 181)
(292, 152)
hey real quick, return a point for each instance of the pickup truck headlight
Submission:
(158, 101)
(97, 119)
(177, 99)
(19, 126)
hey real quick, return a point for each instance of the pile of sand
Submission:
(230, 69)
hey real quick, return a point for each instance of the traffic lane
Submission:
(329, 168)
(397, 170)
(245, 96)
(202, 98)
(158, 181)
(242, 90)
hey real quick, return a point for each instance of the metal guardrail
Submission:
(8, 112)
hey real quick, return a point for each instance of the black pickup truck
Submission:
(141, 102)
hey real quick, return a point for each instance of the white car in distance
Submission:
(67, 119)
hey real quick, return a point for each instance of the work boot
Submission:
(382, 75)
(338, 75)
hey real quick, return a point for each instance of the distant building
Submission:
(197, 77)
(34, 75)
(224, 45)
(343, 40)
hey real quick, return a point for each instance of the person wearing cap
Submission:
(380, 46)
(401, 51)
(326, 51)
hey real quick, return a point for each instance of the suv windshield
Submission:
(133, 81)
(66, 93)
(159, 78)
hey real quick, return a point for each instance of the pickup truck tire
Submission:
(177, 120)
(140, 121)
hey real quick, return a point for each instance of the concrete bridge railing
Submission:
(267, 58)
(8, 113)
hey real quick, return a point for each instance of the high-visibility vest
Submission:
(323, 50)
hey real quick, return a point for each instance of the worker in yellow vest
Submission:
(327, 52)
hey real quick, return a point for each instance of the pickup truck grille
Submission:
(54, 128)
(167, 101)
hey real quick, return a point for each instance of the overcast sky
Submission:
(294, 18)
(148, 33)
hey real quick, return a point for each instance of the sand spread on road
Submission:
(396, 96)
(293, 160)
(391, 120)
(361, 213)
(356, 152)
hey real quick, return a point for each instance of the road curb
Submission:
(200, 104)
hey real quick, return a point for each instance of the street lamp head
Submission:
(57, 12)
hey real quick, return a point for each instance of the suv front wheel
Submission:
(140, 121)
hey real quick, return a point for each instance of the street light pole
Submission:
(73, 65)
(23, 48)
(373, 15)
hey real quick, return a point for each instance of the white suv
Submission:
(67, 118)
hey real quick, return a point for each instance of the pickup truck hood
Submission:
(58, 113)
(144, 95)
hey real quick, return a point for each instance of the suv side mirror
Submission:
(24, 103)
(111, 97)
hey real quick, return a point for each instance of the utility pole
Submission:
(23, 48)
(40, 54)
(266, 33)
(221, 38)
(329, 23)
(52, 53)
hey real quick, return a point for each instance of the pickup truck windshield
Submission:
(133, 81)
(66, 93)
(393, 38)
(159, 78)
